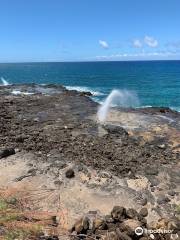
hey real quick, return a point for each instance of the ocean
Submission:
(154, 83)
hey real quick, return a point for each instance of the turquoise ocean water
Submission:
(156, 83)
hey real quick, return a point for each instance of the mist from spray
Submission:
(122, 98)
(4, 82)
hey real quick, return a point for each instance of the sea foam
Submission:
(85, 89)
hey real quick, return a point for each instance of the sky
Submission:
(89, 30)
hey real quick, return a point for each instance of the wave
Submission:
(177, 109)
(18, 92)
(85, 89)
(4, 82)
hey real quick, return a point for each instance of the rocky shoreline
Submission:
(131, 161)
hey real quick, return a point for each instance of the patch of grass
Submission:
(17, 234)
(23, 233)
(3, 204)
(8, 217)
(177, 209)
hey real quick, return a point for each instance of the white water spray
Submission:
(122, 98)
(4, 82)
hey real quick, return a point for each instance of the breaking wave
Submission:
(18, 92)
(85, 89)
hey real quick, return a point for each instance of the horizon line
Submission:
(145, 60)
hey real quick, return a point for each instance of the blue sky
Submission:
(88, 30)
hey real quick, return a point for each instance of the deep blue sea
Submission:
(156, 83)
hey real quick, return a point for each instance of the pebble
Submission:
(70, 173)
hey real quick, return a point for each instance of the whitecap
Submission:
(18, 92)
(85, 89)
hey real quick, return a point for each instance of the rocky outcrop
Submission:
(122, 224)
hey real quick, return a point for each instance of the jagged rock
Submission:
(131, 213)
(122, 236)
(129, 226)
(163, 199)
(118, 213)
(111, 236)
(142, 220)
(6, 152)
(109, 219)
(113, 129)
(144, 201)
(81, 225)
(111, 226)
(99, 223)
(100, 232)
(85, 94)
(143, 212)
(70, 173)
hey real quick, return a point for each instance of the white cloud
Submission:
(140, 55)
(103, 44)
(137, 43)
(150, 41)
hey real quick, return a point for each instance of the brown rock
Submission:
(99, 223)
(142, 219)
(111, 226)
(130, 225)
(101, 232)
(118, 213)
(143, 212)
(109, 219)
(81, 225)
(131, 213)
(111, 236)
(122, 236)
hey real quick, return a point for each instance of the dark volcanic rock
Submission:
(122, 236)
(131, 213)
(70, 173)
(118, 213)
(150, 170)
(113, 129)
(143, 212)
(6, 152)
(62, 120)
(163, 199)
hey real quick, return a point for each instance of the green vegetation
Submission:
(3, 204)
(177, 209)
(17, 234)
